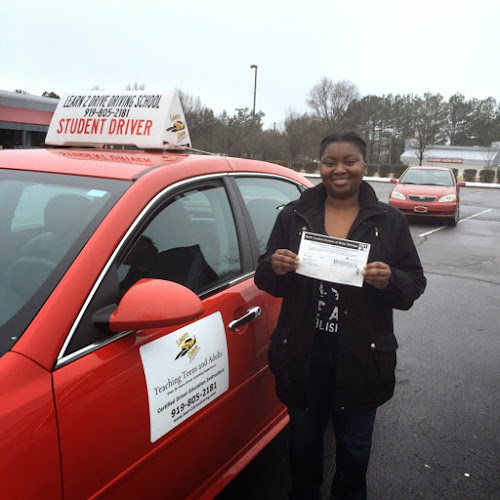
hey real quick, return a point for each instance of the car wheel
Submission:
(453, 222)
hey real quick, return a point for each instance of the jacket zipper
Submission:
(307, 226)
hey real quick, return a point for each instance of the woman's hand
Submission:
(284, 261)
(377, 274)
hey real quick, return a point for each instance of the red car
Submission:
(133, 340)
(428, 192)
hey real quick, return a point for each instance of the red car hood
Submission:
(437, 191)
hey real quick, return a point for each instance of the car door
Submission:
(156, 413)
(264, 196)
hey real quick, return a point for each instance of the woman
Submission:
(333, 352)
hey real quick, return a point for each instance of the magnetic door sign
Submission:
(150, 120)
(185, 371)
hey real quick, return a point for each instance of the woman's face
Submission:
(342, 167)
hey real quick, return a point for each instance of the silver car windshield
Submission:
(427, 177)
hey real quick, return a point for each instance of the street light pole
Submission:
(254, 66)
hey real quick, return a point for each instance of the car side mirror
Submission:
(150, 303)
(461, 184)
(394, 180)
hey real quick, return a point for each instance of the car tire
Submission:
(453, 222)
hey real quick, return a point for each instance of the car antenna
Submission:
(188, 149)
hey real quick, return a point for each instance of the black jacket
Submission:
(366, 344)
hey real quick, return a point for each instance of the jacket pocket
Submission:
(383, 348)
(279, 349)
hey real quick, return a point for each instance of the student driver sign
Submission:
(149, 120)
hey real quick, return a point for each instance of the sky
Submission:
(206, 48)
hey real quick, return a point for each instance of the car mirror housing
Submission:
(394, 180)
(151, 303)
(461, 184)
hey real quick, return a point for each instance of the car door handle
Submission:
(253, 313)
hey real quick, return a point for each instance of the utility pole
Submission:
(254, 66)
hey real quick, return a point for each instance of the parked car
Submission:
(428, 192)
(133, 340)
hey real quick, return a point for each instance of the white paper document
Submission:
(332, 259)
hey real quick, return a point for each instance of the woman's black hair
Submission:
(346, 136)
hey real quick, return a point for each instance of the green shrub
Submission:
(282, 163)
(455, 172)
(398, 170)
(384, 169)
(297, 166)
(487, 175)
(311, 167)
(470, 174)
(371, 170)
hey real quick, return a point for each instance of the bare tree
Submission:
(484, 122)
(491, 156)
(296, 130)
(270, 145)
(330, 101)
(459, 115)
(371, 114)
(50, 94)
(202, 124)
(136, 86)
(190, 104)
(430, 117)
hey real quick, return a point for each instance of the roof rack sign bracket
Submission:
(148, 120)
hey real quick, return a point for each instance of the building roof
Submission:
(35, 102)
(471, 155)
(26, 109)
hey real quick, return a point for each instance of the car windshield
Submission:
(46, 220)
(422, 176)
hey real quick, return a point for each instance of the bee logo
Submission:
(176, 126)
(186, 346)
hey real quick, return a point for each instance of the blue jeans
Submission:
(353, 436)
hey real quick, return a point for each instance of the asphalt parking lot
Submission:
(439, 437)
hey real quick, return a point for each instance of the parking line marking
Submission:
(430, 232)
(475, 215)
(461, 220)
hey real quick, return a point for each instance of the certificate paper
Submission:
(332, 259)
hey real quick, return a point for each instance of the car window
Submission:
(191, 241)
(46, 220)
(264, 198)
(190, 238)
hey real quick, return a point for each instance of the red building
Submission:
(24, 119)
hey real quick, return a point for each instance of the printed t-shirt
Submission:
(327, 316)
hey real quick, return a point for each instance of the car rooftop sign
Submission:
(148, 120)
